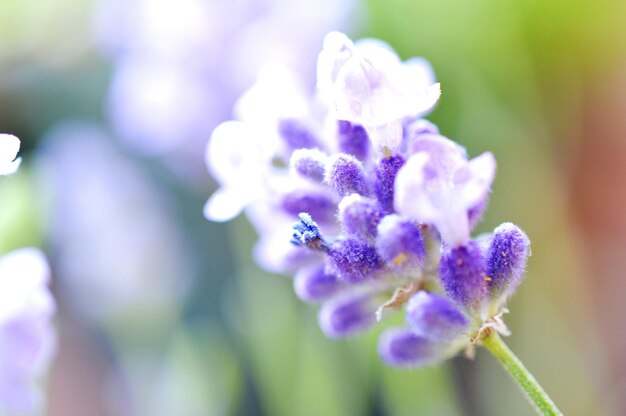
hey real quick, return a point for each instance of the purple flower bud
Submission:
(296, 134)
(506, 259)
(462, 274)
(354, 260)
(313, 284)
(386, 172)
(400, 347)
(353, 139)
(359, 216)
(435, 317)
(349, 314)
(344, 173)
(318, 205)
(309, 163)
(307, 233)
(400, 242)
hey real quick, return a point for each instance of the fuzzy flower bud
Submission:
(463, 275)
(344, 173)
(400, 242)
(309, 163)
(349, 314)
(313, 284)
(506, 259)
(386, 172)
(400, 347)
(359, 216)
(435, 317)
(354, 260)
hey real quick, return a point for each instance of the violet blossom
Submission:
(383, 204)
(178, 67)
(105, 208)
(26, 334)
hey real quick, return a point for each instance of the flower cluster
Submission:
(26, 308)
(384, 204)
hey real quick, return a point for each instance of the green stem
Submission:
(533, 391)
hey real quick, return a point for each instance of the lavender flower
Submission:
(26, 333)
(372, 232)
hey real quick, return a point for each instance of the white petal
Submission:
(420, 70)
(9, 146)
(474, 180)
(224, 205)
(227, 148)
(338, 48)
(411, 197)
(445, 155)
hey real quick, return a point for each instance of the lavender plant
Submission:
(26, 308)
(383, 204)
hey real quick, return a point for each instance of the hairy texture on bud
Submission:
(344, 173)
(463, 275)
(506, 259)
(400, 347)
(359, 216)
(319, 205)
(354, 260)
(313, 284)
(309, 163)
(386, 172)
(400, 242)
(348, 314)
(435, 317)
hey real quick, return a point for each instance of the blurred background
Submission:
(164, 313)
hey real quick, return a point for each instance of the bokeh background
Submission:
(164, 313)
